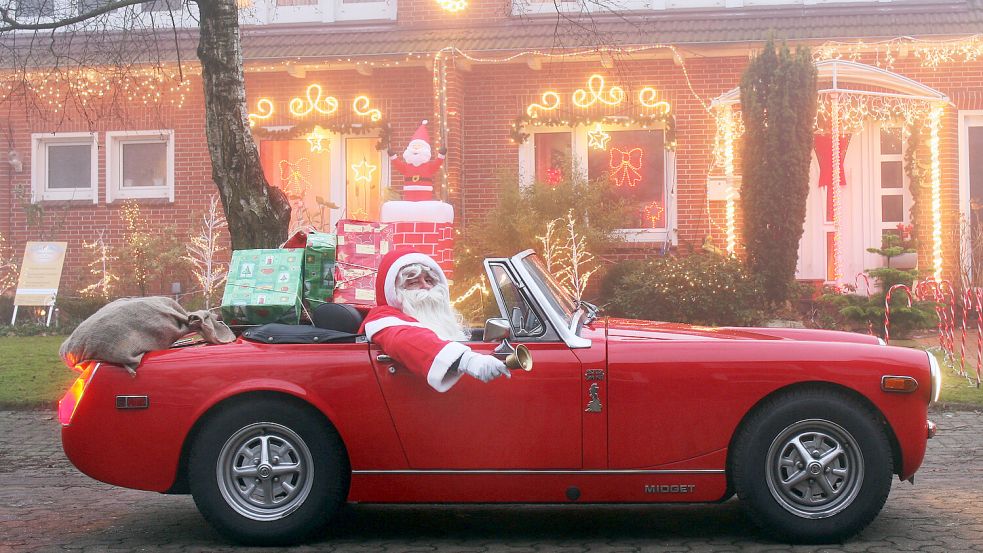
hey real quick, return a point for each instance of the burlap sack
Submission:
(122, 331)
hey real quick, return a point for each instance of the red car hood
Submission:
(652, 330)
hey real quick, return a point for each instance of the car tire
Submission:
(268, 472)
(813, 466)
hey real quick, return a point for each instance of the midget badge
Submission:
(594, 403)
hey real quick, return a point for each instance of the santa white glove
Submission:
(483, 367)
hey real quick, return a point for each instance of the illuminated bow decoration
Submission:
(626, 166)
(293, 177)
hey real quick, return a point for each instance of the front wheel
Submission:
(268, 472)
(814, 466)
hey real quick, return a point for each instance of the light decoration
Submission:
(453, 6)
(479, 287)
(363, 171)
(597, 138)
(315, 102)
(854, 109)
(360, 105)
(837, 212)
(8, 267)
(935, 170)
(316, 137)
(728, 129)
(553, 176)
(202, 250)
(264, 110)
(566, 256)
(649, 97)
(595, 93)
(625, 166)
(551, 101)
(100, 267)
(929, 53)
(652, 212)
(294, 177)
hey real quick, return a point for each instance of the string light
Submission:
(595, 93)
(934, 123)
(649, 98)
(625, 166)
(264, 110)
(597, 138)
(930, 53)
(316, 101)
(551, 101)
(294, 177)
(316, 137)
(727, 132)
(837, 215)
(360, 105)
(453, 6)
(363, 171)
(652, 212)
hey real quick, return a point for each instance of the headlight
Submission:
(936, 371)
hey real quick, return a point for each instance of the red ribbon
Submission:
(626, 166)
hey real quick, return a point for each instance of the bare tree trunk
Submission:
(258, 214)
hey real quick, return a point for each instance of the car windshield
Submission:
(557, 296)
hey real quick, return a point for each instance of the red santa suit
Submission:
(402, 337)
(418, 179)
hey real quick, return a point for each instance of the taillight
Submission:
(72, 398)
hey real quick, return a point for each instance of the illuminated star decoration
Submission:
(597, 138)
(626, 166)
(315, 137)
(294, 177)
(652, 212)
(363, 171)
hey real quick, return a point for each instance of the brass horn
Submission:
(521, 359)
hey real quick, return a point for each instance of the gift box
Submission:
(264, 286)
(360, 247)
(319, 265)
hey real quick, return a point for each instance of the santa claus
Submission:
(416, 325)
(419, 171)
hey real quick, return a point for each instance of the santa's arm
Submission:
(418, 349)
(399, 164)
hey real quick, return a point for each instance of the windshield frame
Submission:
(567, 324)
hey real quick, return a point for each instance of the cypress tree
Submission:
(778, 106)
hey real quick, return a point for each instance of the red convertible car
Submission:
(271, 437)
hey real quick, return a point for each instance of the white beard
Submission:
(417, 158)
(433, 309)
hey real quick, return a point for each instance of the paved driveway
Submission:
(46, 505)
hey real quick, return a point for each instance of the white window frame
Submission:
(548, 7)
(39, 167)
(967, 118)
(325, 11)
(114, 165)
(579, 150)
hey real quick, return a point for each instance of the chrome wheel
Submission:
(265, 471)
(814, 468)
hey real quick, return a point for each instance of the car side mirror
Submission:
(496, 330)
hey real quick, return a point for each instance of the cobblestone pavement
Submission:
(47, 505)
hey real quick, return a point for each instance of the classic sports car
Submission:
(271, 438)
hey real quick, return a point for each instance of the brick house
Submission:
(645, 95)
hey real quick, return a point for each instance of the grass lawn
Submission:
(31, 373)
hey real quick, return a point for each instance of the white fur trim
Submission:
(437, 377)
(408, 259)
(418, 187)
(371, 328)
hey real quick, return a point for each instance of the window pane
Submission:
(552, 156)
(975, 157)
(890, 140)
(86, 6)
(32, 9)
(161, 5)
(296, 2)
(362, 183)
(304, 176)
(635, 163)
(892, 209)
(892, 175)
(69, 166)
(144, 164)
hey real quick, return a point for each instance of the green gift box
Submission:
(264, 286)
(319, 262)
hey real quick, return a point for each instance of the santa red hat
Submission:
(421, 133)
(389, 267)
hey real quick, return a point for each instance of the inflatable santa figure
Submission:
(416, 325)
(419, 171)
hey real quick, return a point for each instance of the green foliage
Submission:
(778, 106)
(704, 289)
(150, 254)
(31, 374)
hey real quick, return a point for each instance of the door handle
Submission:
(383, 358)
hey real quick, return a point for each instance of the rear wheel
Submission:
(268, 472)
(813, 466)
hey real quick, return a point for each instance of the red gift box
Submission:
(361, 245)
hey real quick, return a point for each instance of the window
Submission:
(333, 178)
(890, 183)
(306, 11)
(64, 166)
(35, 9)
(139, 164)
(634, 159)
(547, 7)
(160, 6)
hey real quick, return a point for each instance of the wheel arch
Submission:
(896, 454)
(181, 485)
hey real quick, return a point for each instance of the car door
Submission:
(530, 421)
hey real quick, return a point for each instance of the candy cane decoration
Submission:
(887, 308)
(967, 301)
(979, 333)
(951, 321)
(933, 287)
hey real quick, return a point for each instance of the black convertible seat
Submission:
(276, 333)
(337, 316)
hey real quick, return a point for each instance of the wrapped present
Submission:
(319, 264)
(264, 286)
(361, 245)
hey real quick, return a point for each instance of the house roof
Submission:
(692, 27)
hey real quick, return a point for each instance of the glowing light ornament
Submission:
(597, 138)
(316, 137)
(294, 177)
(264, 110)
(553, 176)
(724, 154)
(551, 101)
(935, 122)
(649, 97)
(837, 215)
(595, 93)
(363, 171)
(453, 6)
(625, 166)
(652, 212)
(360, 105)
(315, 102)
